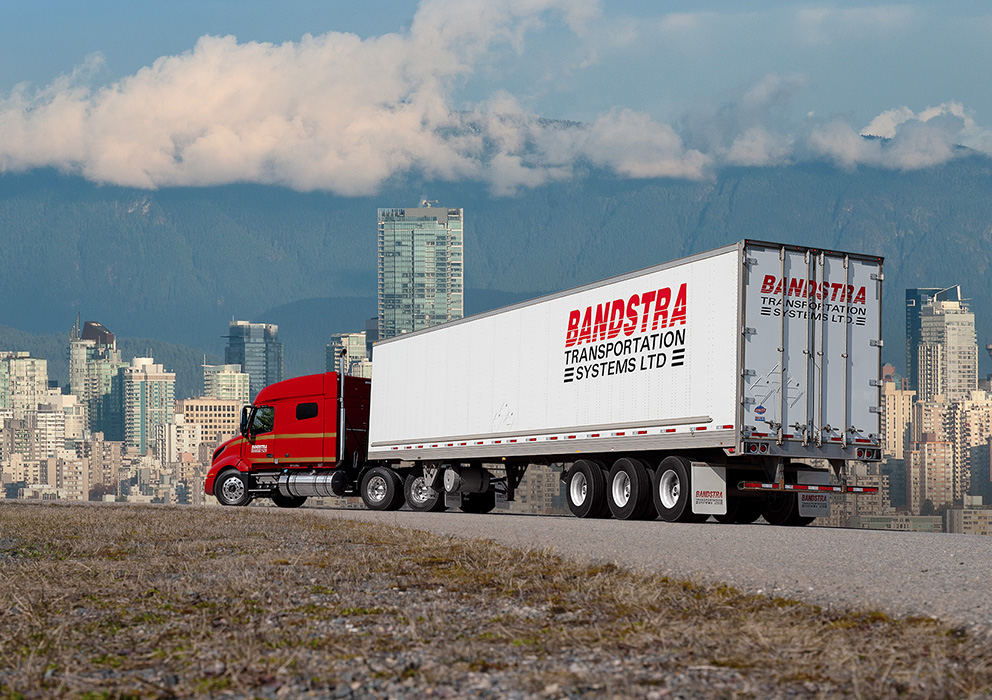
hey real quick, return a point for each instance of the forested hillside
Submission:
(176, 265)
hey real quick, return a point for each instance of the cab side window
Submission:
(264, 420)
(306, 410)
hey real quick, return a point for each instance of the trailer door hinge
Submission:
(748, 331)
(878, 276)
(750, 261)
(874, 382)
(876, 343)
(874, 409)
(748, 373)
(748, 400)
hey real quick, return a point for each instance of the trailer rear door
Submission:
(812, 345)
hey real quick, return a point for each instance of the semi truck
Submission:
(734, 384)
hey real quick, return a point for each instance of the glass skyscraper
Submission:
(256, 348)
(421, 279)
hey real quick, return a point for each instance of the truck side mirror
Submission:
(245, 412)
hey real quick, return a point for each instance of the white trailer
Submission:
(704, 386)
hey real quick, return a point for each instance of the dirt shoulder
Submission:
(105, 601)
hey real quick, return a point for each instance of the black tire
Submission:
(232, 488)
(585, 490)
(749, 511)
(740, 509)
(672, 489)
(780, 508)
(478, 502)
(382, 489)
(420, 497)
(288, 501)
(628, 489)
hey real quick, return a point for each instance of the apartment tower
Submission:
(421, 278)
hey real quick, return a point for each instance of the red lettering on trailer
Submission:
(811, 289)
(607, 320)
(709, 494)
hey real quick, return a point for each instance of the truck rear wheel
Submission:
(421, 497)
(585, 490)
(629, 489)
(232, 488)
(382, 489)
(672, 490)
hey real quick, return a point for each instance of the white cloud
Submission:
(340, 113)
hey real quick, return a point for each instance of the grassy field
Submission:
(105, 601)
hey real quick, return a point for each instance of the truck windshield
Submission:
(263, 420)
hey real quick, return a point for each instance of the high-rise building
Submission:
(421, 278)
(946, 352)
(255, 347)
(226, 382)
(897, 413)
(219, 418)
(104, 460)
(929, 473)
(178, 437)
(916, 299)
(94, 377)
(356, 360)
(149, 400)
(23, 382)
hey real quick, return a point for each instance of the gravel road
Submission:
(900, 573)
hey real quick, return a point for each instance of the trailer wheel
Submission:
(421, 497)
(780, 508)
(740, 510)
(288, 501)
(382, 489)
(232, 488)
(585, 490)
(672, 490)
(629, 489)
(478, 502)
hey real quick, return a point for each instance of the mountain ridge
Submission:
(178, 264)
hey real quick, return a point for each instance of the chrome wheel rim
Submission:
(420, 492)
(621, 489)
(233, 489)
(577, 488)
(376, 489)
(668, 489)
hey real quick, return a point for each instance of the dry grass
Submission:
(112, 602)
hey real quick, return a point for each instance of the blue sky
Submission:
(342, 96)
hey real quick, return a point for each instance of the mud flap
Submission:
(709, 489)
(813, 504)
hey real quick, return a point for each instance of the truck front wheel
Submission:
(231, 489)
(382, 489)
(421, 497)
